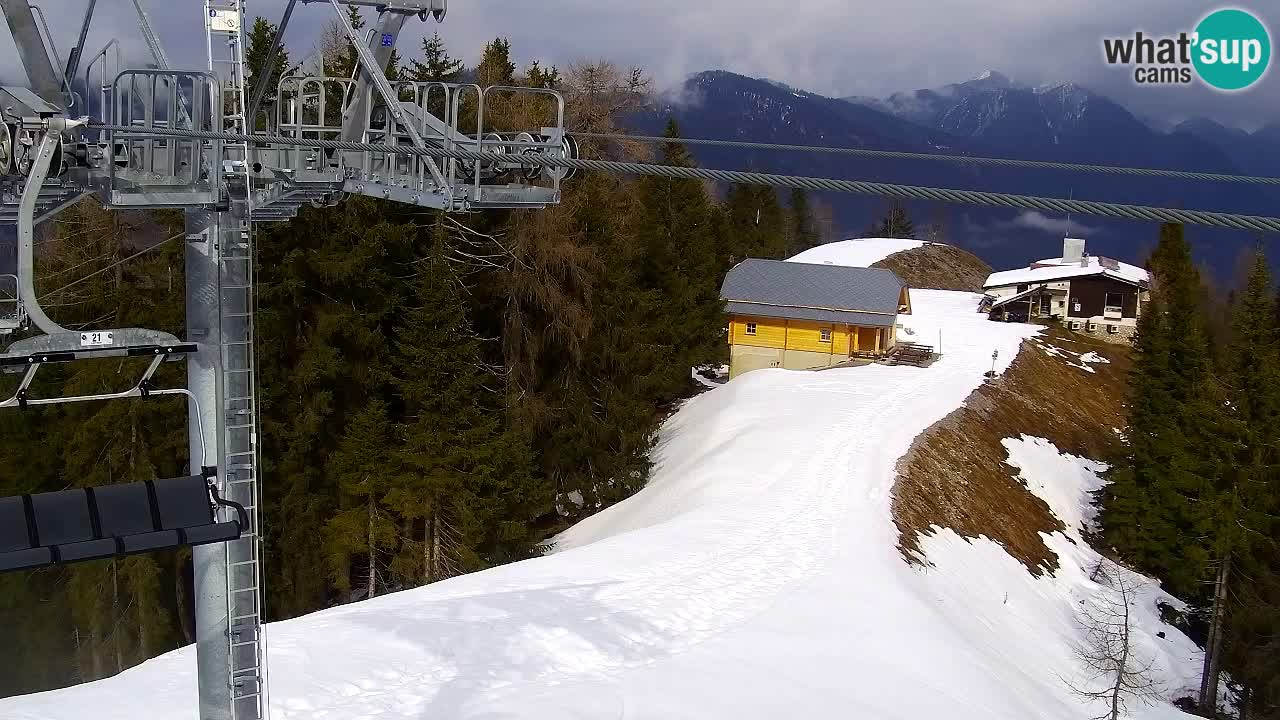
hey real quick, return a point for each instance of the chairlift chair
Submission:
(64, 526)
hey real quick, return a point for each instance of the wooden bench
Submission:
(911, 354)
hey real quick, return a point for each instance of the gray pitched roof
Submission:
(804, 291)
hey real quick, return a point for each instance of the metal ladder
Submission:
(224, 25)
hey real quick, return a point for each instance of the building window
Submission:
(1023, 288)
(751, 328)
(1114, 304)
(824, 335)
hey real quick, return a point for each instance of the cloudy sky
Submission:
(834, 47)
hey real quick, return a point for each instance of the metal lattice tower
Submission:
(57, 147)
(246, 651)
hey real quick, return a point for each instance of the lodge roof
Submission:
(1055, 269)
(821, 293)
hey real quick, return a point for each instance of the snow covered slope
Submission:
(859, 252)
(757, 576)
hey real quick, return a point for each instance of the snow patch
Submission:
(1068, 356)
(1039, 619)
(757, 575)
(1065, 483)
(858, 252)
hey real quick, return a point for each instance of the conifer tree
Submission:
(599, 453)
(677, 232)
(255, 60)
(363, 531)
(496, 67)
(1152, 515)
(1246, 517)
(437, 65)
(465, 472)
(802, 232)
(756, 223)
(351, 59)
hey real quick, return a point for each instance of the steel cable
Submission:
(962, 159)
(1237, 221)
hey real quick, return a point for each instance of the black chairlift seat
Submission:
(93, 523)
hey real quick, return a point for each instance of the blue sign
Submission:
(388, 40)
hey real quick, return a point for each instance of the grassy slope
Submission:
(938, 267)
(955, 474)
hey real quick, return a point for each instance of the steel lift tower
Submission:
(56, 148)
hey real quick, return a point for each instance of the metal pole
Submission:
(49, 144)
(260, 84)
(373, 63)
(205, 231)
(32, 52)
(73, 60)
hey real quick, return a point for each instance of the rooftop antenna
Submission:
(1071, 191)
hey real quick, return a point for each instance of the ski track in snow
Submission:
(757, 575)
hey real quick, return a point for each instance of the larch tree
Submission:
(1118, 672)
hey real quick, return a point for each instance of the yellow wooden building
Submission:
(802, 316)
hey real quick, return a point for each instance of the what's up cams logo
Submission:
(1229, 50)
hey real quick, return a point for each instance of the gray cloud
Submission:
(1037, 220)
(833, 47)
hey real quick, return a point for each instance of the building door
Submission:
(866, 339)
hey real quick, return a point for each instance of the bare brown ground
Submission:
(955, 475)
(939, 267)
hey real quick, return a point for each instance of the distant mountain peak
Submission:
(990, 80)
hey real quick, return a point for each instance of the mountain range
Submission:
(990, 115)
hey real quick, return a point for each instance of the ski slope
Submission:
(858, 252)
(756, 576)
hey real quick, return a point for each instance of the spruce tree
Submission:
(496, 67)
(677, 233)
(802, 231)
(756, 223)
(255, 60)
(362, 532)
(437, 65)
(1152, 514)
(351, 58)
(1247, 521)
(465, 470)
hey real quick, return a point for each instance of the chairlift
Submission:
(80, 524)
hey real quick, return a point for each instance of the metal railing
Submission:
(10, 304)
(148, 170)
(316, 107)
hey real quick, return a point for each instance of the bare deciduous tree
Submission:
(598, 94)
(1118, 672)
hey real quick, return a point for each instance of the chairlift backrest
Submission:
(112, 520)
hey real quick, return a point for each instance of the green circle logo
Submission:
(1232, 49)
